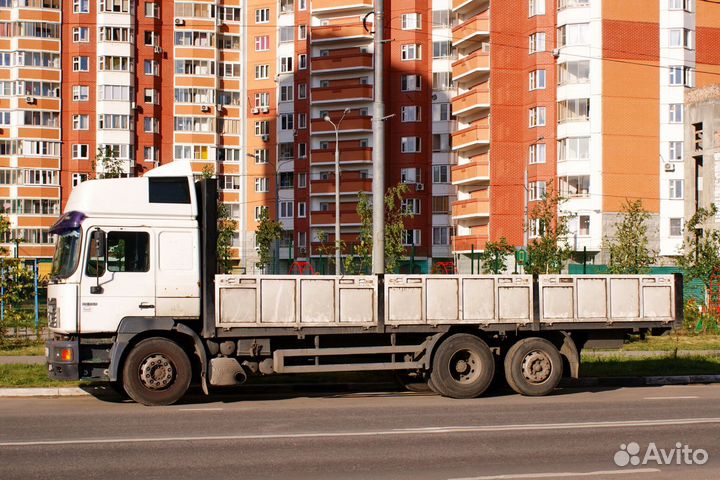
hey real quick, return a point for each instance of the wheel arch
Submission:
(133, 330)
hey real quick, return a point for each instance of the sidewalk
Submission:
(22, 360)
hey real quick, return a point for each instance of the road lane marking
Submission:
(378, 433)
(563, 474)
(679, 397)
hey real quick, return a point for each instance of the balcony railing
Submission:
(469, 102)
(471, 173)
(471, 208)
(327, 217)
(347, 155)
(476, 64)
(349, 183)
(349, 124)
(476, 134)
(476, 29)
(468, 243)
(341, 94)
(336, 63)
(331, 33)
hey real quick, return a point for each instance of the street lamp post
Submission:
(337, 186)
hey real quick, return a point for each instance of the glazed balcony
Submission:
(469, 243)
(476, 135)
(342, 94)
(473, 173)
(347, 156)
(339, 33)
(342, 63)
(473, 68)
(472, 102)
(354, 124)
(475, 208)
(350, 183)
(472, 33)
(338, 6)
(327, 218)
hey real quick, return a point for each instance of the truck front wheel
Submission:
(157, 371)
(533, 367)
(463, 367)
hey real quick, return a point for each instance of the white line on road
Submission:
(204, 409)
(378, 433)
(564, 474)
(679, 397)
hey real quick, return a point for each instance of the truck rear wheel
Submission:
(157, 371)
(463, 367)
(533, 367)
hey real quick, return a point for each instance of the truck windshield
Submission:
(67, 253)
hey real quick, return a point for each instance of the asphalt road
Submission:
(572, 434)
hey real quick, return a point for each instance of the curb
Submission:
(103, 391)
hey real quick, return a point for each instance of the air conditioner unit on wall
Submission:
(205, 108)
(266, 110)
(179, 21)
(255, 110)
(30, 100)
(669, 167)
(419, 187)
(266, 138)
(556, 52)
(158, 49)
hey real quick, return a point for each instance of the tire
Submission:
(463, 367)
(157, 371)
(533, 367)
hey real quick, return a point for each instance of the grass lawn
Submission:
(12, 376)
(648, 367)
(22, 349)
(672, 341)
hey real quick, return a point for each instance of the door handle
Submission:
(146, 305)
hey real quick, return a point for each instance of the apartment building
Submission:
(30, 75)
(583, 95)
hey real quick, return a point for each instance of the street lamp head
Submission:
(347, 110)
(326, 118)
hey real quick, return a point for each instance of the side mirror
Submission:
(98, 237)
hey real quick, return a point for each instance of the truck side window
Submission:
(96, 260)
(128, 252)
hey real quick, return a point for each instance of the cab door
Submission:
(118, 278)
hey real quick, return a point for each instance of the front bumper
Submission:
(60, 366)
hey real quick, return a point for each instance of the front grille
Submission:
(52, 313)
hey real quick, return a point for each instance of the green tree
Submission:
(110, 165)
(493, 257)
(701, 252)
(629, 248)
(360, 259)
(16, 282)
(548, 251)
(395, 216)
(226, 228)
(268, 231)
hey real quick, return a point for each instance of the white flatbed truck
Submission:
(134, 300)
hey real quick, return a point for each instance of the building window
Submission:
(410, 83)
(537, 42)
(441, 19)
(536, 190)
(81, 6)
(441, 204)
(574, 34)
(81, 64)
(411, 21)
(536, 7)
(682, 76)
(286, 64)
(411, 206)
(574, 148)
(80, 151)
(441, 49)
(150, 96)
(286, 93)
(410, 175)
(262, 15)
(287, 121)
(537, 117)
(411, 237)
(680, 5)
(537, 80)
(676, 227)
(287, 33)
(302, 61)
(151, 125)
(302, 239)
(676, 189)
(410, 145)
(302, 120)
(302, 32)
(537, 153)
(583, 225)
(574, 110)
(151, 67)
(575, 186)
(262, 72)
(441, 236)
(262, 43)
(152, 10)
(410, 113)
(78, 178)
(442, 80)
(151, 154)
(441, 112)
(675, 113)
(411, 52)
(81, 122)
(262, 185)
(573, 3)
(152, 38)
(441, 142)
(81, 93)
(302, 150)
(675, 153)
(441, 173)
(81, 34)
(302, 91)
(286, 209)
(680, 38)
(262, 128)
(302, 209)
(574, 72)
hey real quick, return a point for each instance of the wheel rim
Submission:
(536, 367)
(157, 372)
(465, 366)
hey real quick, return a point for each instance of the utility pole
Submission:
(378, 153)
(336, 126)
